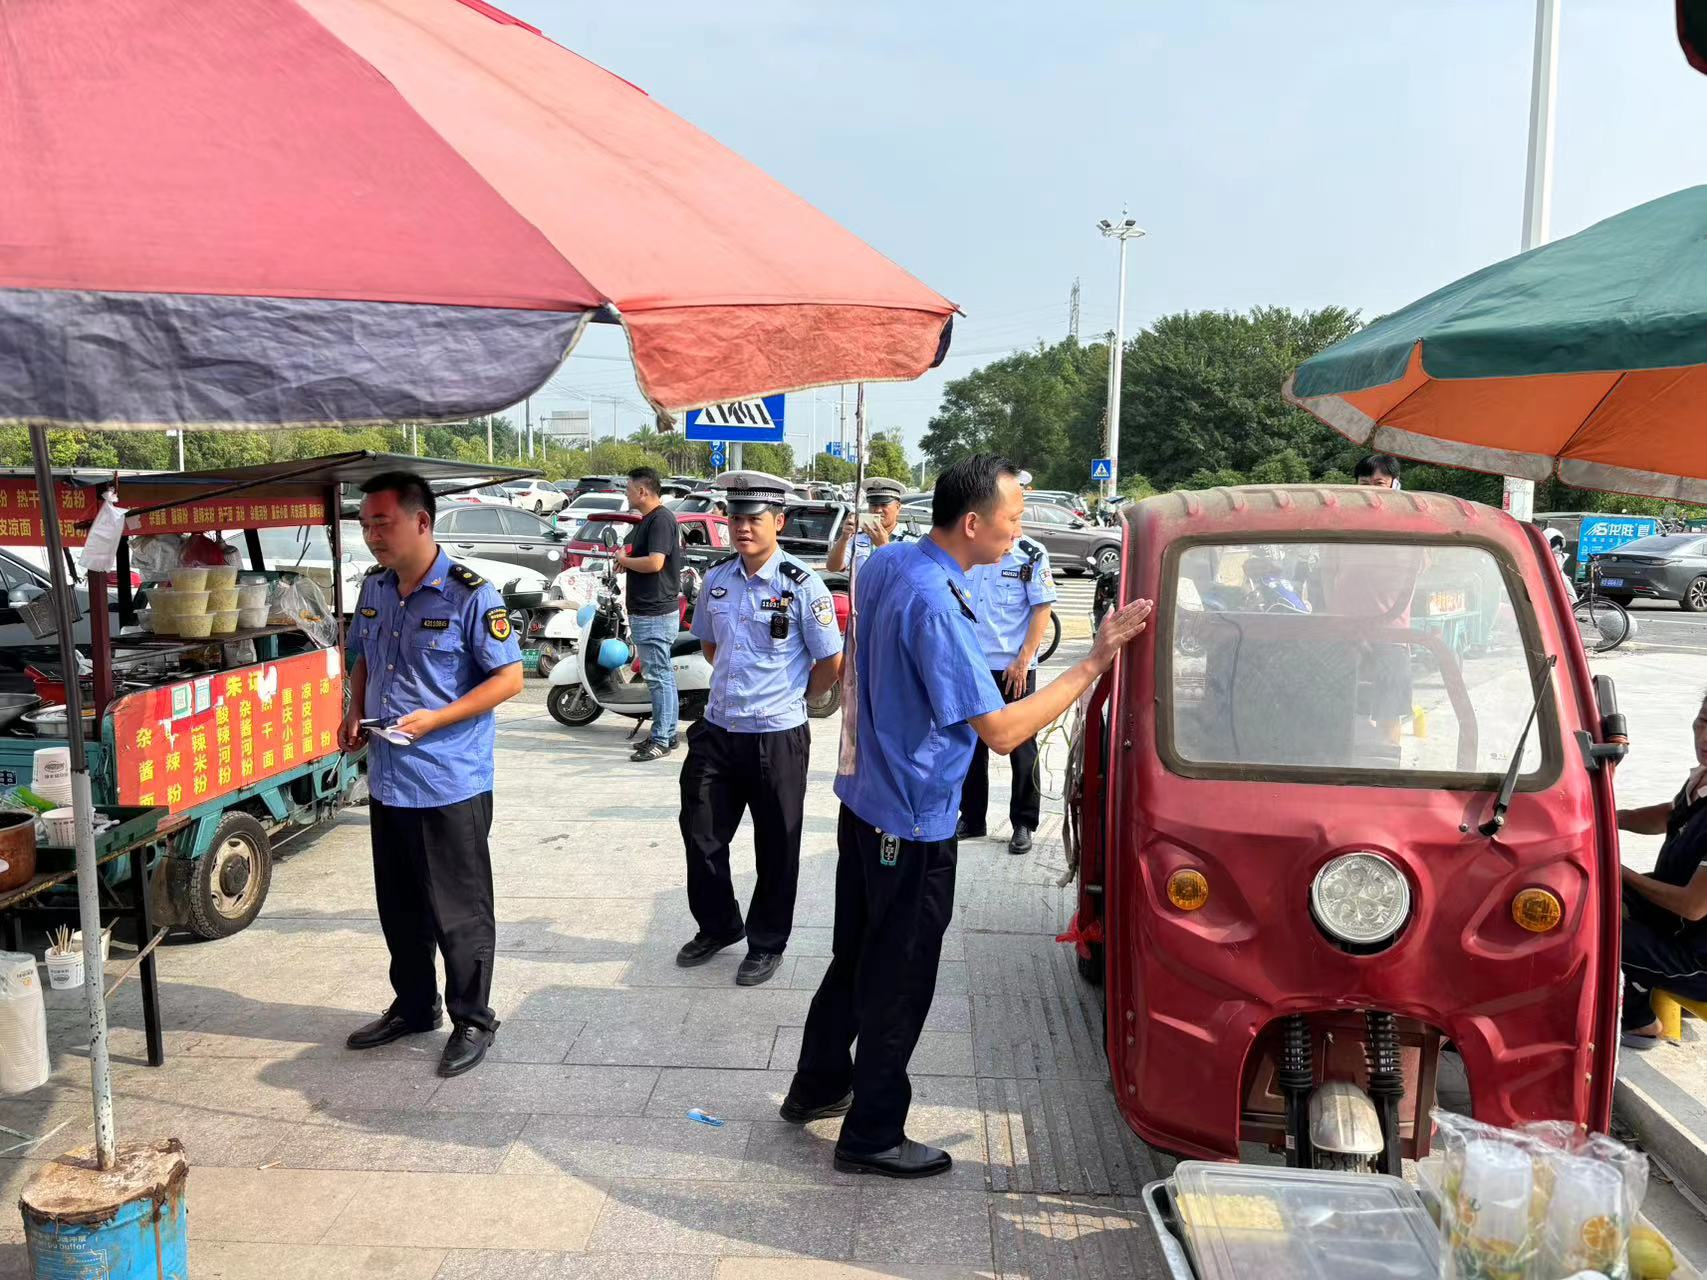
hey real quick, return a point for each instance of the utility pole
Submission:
(1519, 496)
(489, 457)
(1124, 230)
(527, 414)
(1073, 311)
(844, 420)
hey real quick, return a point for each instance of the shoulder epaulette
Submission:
(1030, 548)
(961, 600)
(373, 569)
(795, 573)
(463, 574)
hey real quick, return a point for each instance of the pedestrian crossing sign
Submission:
(1102, 469)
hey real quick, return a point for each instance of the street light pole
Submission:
(1124, 230)
(1519, 497)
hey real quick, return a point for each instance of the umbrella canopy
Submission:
(1585, 358)
(280, 212)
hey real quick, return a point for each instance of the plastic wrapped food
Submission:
(221, 599)
(224, 622)
(189, 577)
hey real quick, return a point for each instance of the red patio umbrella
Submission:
(270, 212)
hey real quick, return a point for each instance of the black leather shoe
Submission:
(909, 1160)
(1020, 841)
(964, 832)
(759, 966)
(702, 948)
(799, 1113)
(467, 1046)
(391, 1026)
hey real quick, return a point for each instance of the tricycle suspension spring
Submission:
(1296, 1077)
(1386, 1083)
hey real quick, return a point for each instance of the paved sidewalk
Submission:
(569, 1153)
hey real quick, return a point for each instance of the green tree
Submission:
(1136, 487)
(1285, 467)
(889, 457)
(1204, 478)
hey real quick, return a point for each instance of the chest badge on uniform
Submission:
(370, 613)
(824, 611)
(717, 593)
(498, 623)
(436, 624)
(776, 604)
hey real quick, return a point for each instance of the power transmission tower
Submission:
(1073, 311)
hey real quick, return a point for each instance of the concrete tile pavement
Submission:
(569, 1153)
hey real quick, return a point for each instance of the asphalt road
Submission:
(1663, 625)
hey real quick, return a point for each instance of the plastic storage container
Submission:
(251, 595)
(221, 577)
(189, 577)
(221, 599)
(1242, 1221)
(251, 616)
(193, 626)
(224, 622)
(24, 1061)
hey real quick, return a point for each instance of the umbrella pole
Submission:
(849, 753)
(82, 805)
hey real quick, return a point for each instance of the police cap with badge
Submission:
(880, 491)
(752, 493)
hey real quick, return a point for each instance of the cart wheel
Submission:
(1344, 1162)
(572, 705)
(1054, 637)
(221, 892)
(827, 703)
(1090, 967)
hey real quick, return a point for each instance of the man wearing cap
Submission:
(922, 697)
(883, 499)
(769, 629)
(1012, 599)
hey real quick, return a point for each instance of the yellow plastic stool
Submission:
(1669, 1008)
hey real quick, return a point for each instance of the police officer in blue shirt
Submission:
(881, 528)
(1012, 599)
(923, 695)
(432, 654)
(769, 629)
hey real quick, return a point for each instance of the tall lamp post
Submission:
(1124, 230)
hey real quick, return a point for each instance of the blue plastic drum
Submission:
(130, 1223)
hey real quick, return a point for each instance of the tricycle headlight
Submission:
(1360, 898)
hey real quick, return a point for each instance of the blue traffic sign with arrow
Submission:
(719, 453)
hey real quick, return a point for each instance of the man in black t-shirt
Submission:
(652, 560)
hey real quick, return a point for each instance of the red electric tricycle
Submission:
(1324, 831)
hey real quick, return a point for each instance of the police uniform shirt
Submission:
(425, 652)
(919, 676)
(758, 683)
(863, 546)
(1004, 595)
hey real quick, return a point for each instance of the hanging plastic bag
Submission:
(24, 1061)
(299, 602)
(154, 556)
(101, 550)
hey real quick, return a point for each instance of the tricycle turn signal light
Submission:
(1188, 890)
(1537, 910)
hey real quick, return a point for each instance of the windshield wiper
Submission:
(1502, 802)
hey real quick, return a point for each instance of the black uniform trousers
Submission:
(1025, 807)
(725, 775)
(1655, 956)
(432, 875)
(893, 901)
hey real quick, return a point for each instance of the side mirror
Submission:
(559, 535)
(1075, 524)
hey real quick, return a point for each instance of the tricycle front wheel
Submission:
(221, 892)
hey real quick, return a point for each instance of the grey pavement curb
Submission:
(1667, 1122)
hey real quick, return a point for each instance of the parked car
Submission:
(308, 551)
(538, 496)
(597, 484)
(704, 535)
(501, 533)
(493, 493)
(1061, 498)
(1667, 566)
(811, 528)
(700, 500)
(1076, 547)
(587, 502)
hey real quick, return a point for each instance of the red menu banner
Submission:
(228, 513)
(21, 514)
(181, 745)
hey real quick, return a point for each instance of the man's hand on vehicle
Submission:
(1119, 629)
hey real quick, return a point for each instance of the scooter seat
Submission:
(684, 644)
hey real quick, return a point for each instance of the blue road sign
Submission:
(834, 448)
(719, 455)
(746, 421)
(1102, 469)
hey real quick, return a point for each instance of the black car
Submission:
(1666, 566)
(594, 484)
(501, 533)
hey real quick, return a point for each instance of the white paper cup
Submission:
(65, 972)
(61, 826)
(51, 764)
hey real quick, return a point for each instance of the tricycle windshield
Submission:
(1406, 662)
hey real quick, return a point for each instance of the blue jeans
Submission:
(653, 637)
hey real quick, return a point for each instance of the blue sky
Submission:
(1293, 152)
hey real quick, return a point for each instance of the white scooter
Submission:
(602, 672)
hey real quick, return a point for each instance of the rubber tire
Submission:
(192, 889)
(1610, 622)
(539, 506)
(826, 705)
(571, 711)
(1091, 967)
(1619, 597)
(1108, 560)
(1054, 637)
(1685, 602)
(1343, 1162)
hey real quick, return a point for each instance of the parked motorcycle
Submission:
(602, 671)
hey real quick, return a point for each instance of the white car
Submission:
(538, 496)
(306, 550)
